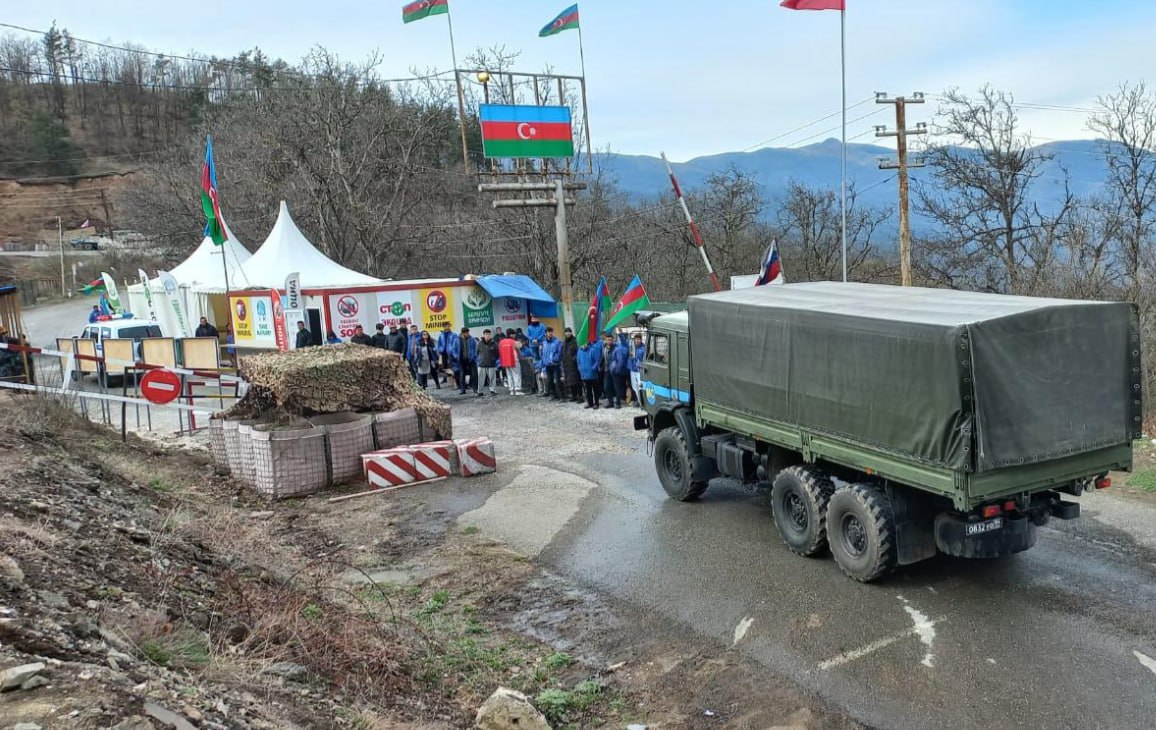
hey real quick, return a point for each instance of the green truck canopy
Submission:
(968, 381)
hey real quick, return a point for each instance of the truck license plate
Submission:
(978, 528)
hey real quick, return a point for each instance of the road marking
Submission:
(742, 629)
(1146, 660)
(849, 656)
(924, 628)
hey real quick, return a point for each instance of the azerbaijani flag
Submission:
(633, 300)
(526, 131)
(210, 199)
(814, 4)
(423, 9)
(93, 287)
(599, 308)
(566, 20)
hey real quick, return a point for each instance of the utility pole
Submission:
(60, 239)
(559, 203)
(902, 165)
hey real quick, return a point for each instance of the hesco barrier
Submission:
(289, 460)
(348, 436)
(397, 428)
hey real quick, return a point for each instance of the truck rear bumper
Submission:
(956, 535)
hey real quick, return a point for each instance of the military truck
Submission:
(893, 423)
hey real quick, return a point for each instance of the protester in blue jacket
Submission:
(536, 331)
(552, 362)
(616, 356)
(447, 348)
(590, 368)
(637, 357)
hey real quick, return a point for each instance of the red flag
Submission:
(814, 4)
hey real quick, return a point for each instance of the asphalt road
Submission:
(1063, 635)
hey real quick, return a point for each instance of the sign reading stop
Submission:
(160, 386)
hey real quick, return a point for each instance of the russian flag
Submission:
(771, 271)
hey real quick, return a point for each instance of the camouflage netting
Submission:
(332, 379)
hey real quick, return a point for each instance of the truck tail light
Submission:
(991, 510)
(1009, 506)
(1103, 482)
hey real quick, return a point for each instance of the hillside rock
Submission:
(507, 709)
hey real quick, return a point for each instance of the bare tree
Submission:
(993, 236)
(809, 230)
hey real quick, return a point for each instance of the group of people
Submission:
(537, 362)
(531, 362)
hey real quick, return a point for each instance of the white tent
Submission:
(199, 276)
(286, 251)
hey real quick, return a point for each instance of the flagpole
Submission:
(843, 149)
(585, 106)
(461, 93)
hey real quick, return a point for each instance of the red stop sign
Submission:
(160, 386)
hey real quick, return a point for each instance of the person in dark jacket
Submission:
(590, 369)
(378, 339)
(467, 362)
(412, 345)
(204, 329)
(526, 362)
(552, 363)
(359, 336)
(487, 363)
(570, 375)
(396, 341)
(304, 336)
(427, 362)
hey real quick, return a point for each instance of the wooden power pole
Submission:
(901, 164)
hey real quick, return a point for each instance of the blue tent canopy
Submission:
(520, 286)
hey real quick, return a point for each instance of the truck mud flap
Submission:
(961, 538)
(641, 423)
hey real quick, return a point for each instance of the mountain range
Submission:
(644, 177)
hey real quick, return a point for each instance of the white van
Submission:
(106, 328)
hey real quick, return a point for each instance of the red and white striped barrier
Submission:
(389, 468)
(476, 456)
(433, 460)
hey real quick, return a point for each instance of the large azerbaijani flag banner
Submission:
(211, 199)
(526, 131)
(423, 9)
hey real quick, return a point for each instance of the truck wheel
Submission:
(799, 499)
(861, 528)
(672, 461)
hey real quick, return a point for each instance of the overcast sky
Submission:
(693, 78)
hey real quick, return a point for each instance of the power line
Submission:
(834, 129)
(213, 61)
(808, 124)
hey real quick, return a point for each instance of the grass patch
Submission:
(434, 605)
(558, 660)
(183, 650)
(312, 611)
(562, 706)
(471, 530)
(160, 485)
(1144, 480)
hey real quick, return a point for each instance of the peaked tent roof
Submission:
(202, 270)
(286, 251)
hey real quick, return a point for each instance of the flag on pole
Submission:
(510, 130)
(814, 4)
(423, 9)
(566, 20)
(96, 286)
(111, 295)
(771, 271)
(634, 299)
(210, 200)
(599, 307)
